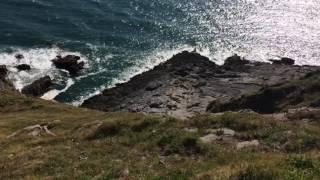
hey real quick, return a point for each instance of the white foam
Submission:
(88, 95)
(53, 93)
(40, 61)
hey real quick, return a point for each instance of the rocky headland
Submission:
(186, 118)
(190, 84)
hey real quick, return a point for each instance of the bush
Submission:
(179, 144)
(255, 173)
(302, 167)
(105, 130)
(144, 124)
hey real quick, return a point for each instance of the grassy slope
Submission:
(136, 146)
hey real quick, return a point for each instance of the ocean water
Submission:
(121, 38)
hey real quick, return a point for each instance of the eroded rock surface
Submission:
(188, 82)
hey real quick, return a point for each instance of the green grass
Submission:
(97, 145)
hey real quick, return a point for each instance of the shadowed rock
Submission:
(235, 63)
(70, 63)
(23, 67)
(276, 98)
(4, 83)
(38, 88)
(187, 83)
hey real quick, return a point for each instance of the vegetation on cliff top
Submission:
(87, 144)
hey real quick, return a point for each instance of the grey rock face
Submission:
(187, 83)
(39, 87)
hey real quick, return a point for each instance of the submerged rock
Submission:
(70, 63)
(38, 88)
(23, 67)
(188, 82)
(19, 56)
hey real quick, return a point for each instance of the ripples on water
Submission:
(121, 38)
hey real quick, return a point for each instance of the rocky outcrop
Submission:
(188, 82)
(70, 63)
(4, 83)
(39, 87)
(301, 93)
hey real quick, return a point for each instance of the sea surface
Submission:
(121, 38)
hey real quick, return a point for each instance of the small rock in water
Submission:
(70, 63)
(19, 56)
(23, 67)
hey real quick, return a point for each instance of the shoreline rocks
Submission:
(71, 63)
(38, 87)
(187, 83)
(304, 92)
(23, 67)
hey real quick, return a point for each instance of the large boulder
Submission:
(39, 87)
(70, 63)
